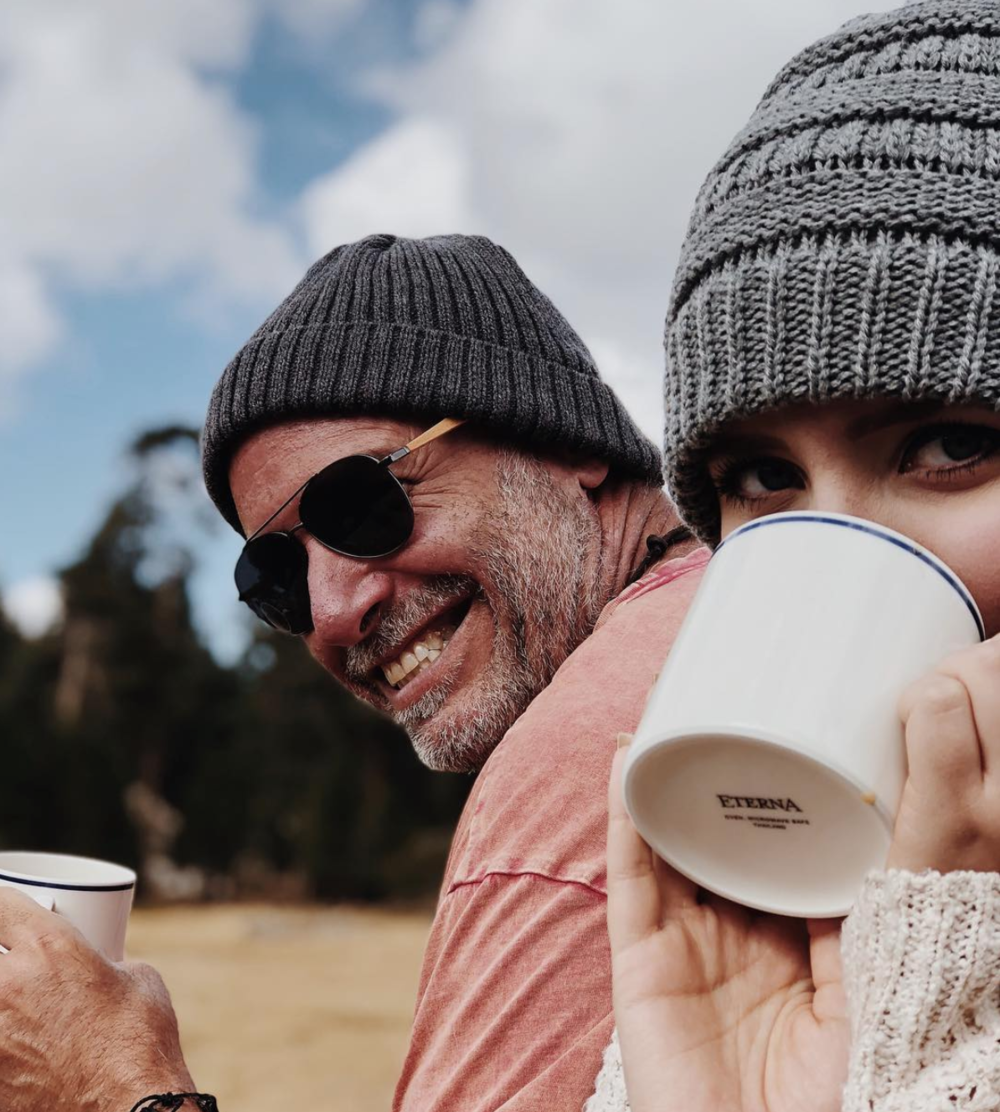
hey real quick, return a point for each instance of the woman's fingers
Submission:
(942, 744)
(643, 890)
(633, 891)
(952, 717)
(824, 956)
(948, 816)
(978, 670)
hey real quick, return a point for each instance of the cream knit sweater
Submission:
(922, 975)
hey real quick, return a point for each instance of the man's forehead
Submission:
(323, 434)
(272, 462)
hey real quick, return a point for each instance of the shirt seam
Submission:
(527, 872)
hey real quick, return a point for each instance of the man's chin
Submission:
(459, 733)
(452, 741)
(451, 749)
(446, 737)
(455, 727)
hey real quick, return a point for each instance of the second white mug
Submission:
(95, 896)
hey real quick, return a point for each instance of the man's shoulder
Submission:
(635, 630)
(602, 685)
(660, 576)
(540, 803)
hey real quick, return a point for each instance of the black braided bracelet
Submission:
(170, 1102)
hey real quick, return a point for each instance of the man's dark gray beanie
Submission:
(847, 245)
(425, 328)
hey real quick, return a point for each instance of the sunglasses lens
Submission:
(356, 506)
(271, 577)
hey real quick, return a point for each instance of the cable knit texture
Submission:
(609, 1089)
(922, 976)
(847, 244)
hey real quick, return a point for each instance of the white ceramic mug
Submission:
(770, 759)
(95, 896)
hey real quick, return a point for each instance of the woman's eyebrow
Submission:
(731, 442)
(898, 414)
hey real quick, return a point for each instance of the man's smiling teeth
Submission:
(417, 657)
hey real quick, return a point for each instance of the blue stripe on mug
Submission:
(67, 887)
(867, 527)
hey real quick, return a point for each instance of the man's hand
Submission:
(77, 1031)
(719, 1009)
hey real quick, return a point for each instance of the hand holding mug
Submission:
(720, 1005)
(716, 1005)
(77, 1030)
(949, 812)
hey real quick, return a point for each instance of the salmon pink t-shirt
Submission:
(514, 1006)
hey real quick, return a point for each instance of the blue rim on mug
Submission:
(860, 525)
(12, 876)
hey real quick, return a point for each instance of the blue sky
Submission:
(170, 170)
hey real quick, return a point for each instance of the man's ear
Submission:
(591, 472)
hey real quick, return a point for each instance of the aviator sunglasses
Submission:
(355, 506)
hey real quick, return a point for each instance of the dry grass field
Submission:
(286, 1008)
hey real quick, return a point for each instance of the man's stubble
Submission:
(540, 551)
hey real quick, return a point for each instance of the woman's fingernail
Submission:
(622, 740)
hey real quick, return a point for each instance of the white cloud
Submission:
(34, 605)
(216, 34)
(435, 22)
(28, 324)
(126, 159)
(312, 19)
(364, 195)
(576, 133)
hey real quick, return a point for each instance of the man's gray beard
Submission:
(534, 546)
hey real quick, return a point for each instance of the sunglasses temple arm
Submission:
(439, 429)
(265, 524)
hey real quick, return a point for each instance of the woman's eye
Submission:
(751, 481)
(943, 449)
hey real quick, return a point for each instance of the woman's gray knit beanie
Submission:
(847, 245)
(447, 326)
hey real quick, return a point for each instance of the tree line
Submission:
(124, 738)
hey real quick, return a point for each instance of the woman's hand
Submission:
(949, 814)
(719, 1009)
(724, 1008)
(78, 1031)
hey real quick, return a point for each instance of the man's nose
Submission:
(345, 595)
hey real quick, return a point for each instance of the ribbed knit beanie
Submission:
(442, 327)
(846, 245)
